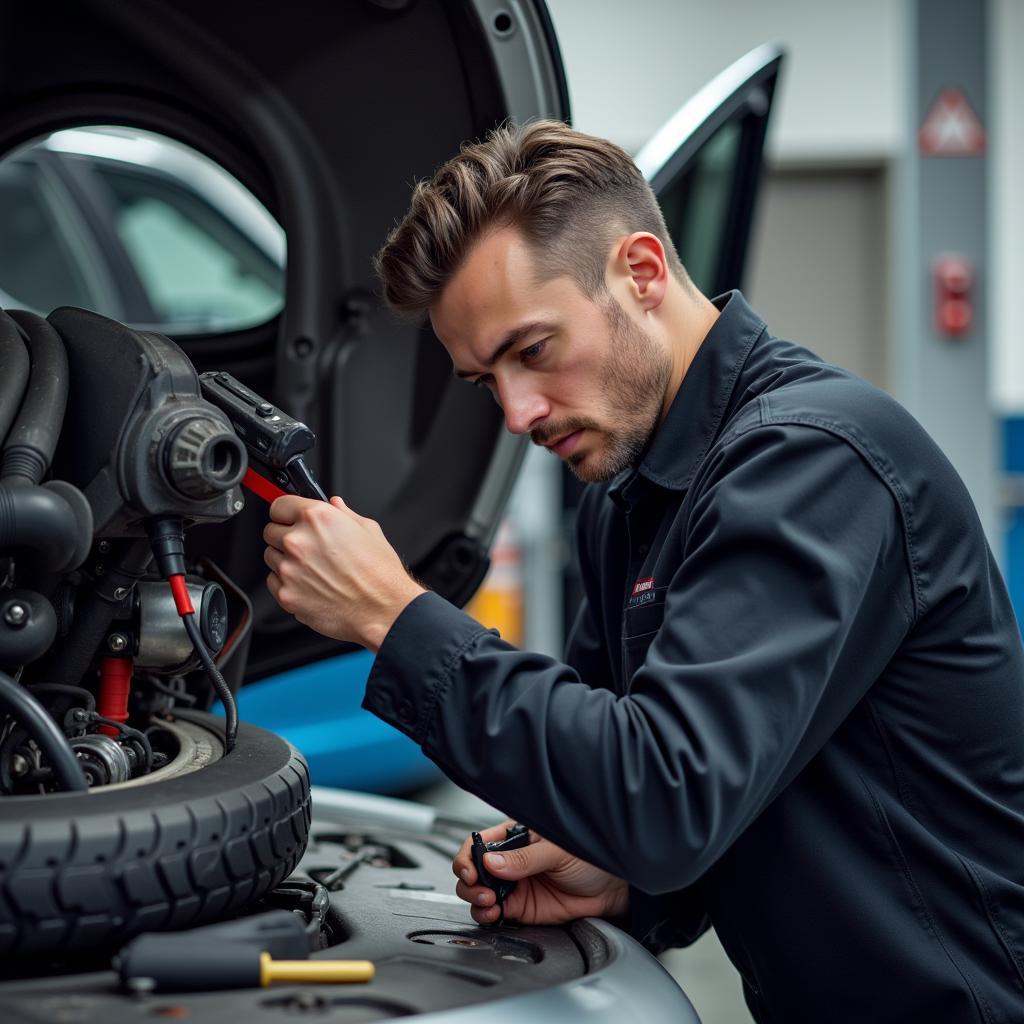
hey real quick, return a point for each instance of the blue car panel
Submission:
(316, 707)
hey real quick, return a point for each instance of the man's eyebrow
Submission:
(516, 334)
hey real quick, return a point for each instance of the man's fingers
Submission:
(529, 860)
(274, 534)
(485, 915)
(478, 895)
(286, 509)
(273, 558)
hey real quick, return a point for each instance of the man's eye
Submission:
(532, 352)
(483, 381)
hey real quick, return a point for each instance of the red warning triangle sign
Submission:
(951, 127)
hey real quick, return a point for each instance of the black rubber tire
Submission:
(82, 870)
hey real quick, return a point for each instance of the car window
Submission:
(182, 247)
(705, 166)
(696, 205)
(40, 258)
(199, 272)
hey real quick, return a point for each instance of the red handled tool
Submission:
(274, 441)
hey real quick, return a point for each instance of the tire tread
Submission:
(75, 881)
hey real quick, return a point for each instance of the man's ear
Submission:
(640, 259)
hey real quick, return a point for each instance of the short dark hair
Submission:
(570, 194)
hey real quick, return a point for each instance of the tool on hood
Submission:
(237, 954)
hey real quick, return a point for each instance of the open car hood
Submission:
(326, 113)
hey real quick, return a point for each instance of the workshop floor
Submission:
(702, 970)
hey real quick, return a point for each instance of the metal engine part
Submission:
(103, 759)
(163, 643)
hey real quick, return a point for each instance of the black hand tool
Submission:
(516, 837)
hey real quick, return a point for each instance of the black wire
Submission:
(80, 692)
(227, 698)
(183, 695)
(22, 706)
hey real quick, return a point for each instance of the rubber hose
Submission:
(14, 379)
(30, 445)
(41, 519)
(32, 717)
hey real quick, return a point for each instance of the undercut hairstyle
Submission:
(571, 195)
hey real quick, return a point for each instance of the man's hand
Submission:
(334, 570)
(553, 886)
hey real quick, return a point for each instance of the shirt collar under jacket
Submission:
(695, 416)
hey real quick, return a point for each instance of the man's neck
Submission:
(692, 317)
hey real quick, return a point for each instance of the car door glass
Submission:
(705, 165)
(199, 271)
(696, 206)
(183, 247)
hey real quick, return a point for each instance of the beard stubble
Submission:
(633, 383)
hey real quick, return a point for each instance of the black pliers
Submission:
(516, 836)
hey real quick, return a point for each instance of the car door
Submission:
(705, 165)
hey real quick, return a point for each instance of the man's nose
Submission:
(524, 407)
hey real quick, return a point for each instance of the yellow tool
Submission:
(313, 971)
(181, 962)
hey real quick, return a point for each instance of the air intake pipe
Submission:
(53, 520)
(29, 447)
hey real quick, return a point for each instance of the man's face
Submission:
(577, 374)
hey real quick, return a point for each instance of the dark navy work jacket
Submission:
(792, 704)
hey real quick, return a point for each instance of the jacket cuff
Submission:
(415, 662)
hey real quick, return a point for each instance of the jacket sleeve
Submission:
(791, 597)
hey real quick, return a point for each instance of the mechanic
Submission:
(792, 704)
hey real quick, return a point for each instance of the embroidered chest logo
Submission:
(643, 592)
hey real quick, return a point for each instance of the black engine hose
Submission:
(14, 379)
(30, 444)
(50, 520)
(32, 717)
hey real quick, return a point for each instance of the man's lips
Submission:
(565, 444)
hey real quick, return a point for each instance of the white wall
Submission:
(632, 63)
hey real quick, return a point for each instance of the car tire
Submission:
(90, 870)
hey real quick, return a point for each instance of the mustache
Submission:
(549, 431)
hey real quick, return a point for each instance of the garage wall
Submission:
(815, 273)
(817, 269)
(630, 66)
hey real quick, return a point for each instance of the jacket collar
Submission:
(695, 417)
